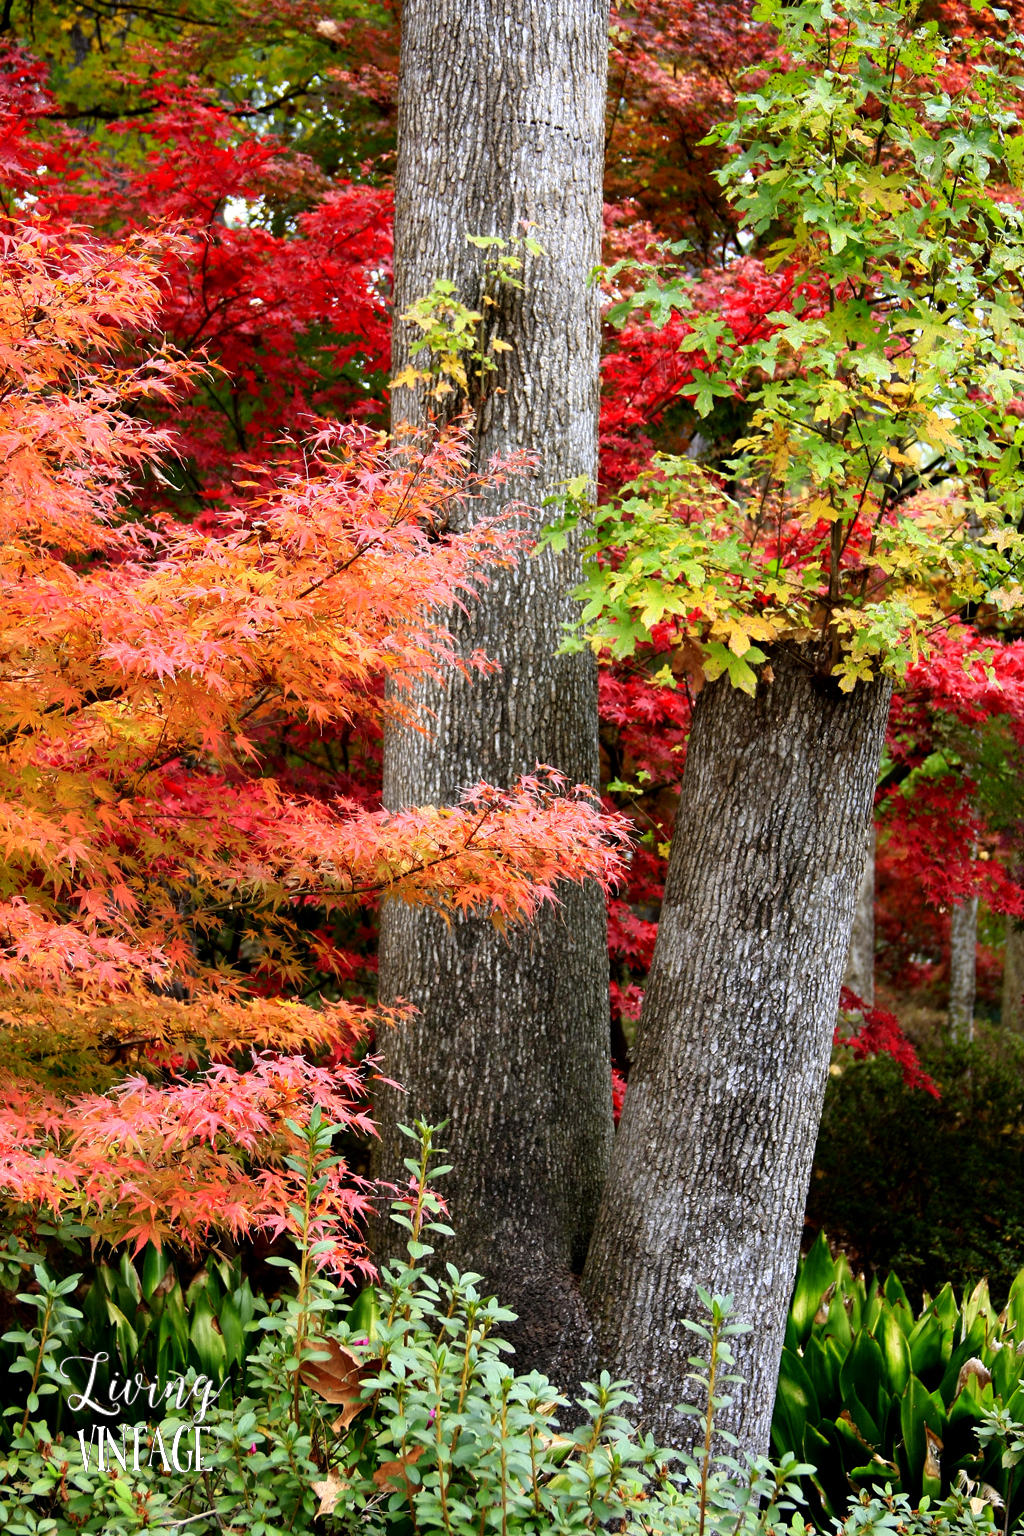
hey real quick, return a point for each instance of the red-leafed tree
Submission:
(294, 322)
(949, 815)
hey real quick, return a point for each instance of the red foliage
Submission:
(142, 1163)
(938, 823)
(296, 322)
(618, 1094)
(873, 1032)
(940, 837)
(643, 371)
(913, 940)
(673, 68)
(970, 675)
(644, 727)
(24, 103)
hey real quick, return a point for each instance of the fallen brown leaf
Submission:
(971, 1368)
(338, 1379)
(393, 1472)
(821, 1316)
(329, 1491)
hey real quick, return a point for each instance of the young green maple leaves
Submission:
(878, 488)
(462, 346)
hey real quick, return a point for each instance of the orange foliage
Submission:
(143, 664)
(140, 1164)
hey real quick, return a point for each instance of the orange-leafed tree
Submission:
(144, 665)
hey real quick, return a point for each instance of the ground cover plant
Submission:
(875, 1393)
(399, 1412)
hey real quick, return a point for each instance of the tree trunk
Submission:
(501, 119)
(860, 962)
(1013, 965)
(963, 953)
(1013, 976)
(713, 1156)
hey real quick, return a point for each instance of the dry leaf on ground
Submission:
(338, 1379)
(393, 1472)
(329, 1491)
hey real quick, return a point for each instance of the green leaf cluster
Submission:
(876, 1397)
(462, 345)
(880, 488)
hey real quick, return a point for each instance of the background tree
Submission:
(860, 963)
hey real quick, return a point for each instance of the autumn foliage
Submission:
(192, 1162)
(208, 581)
(148, 665)
(865, 1031)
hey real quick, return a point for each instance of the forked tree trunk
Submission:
(860, 962)
(963, 963)
(501, 120)
(713, 1155)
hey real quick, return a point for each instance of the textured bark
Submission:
(963, 953)
(1013, 965)
(713, 1156)
(501, 118)
(1013, 977)
(860, 962)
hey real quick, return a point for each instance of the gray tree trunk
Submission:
(860, 962)
(963, 954)
(1013, 965)
(713, 1155)
(501, 121)
(1013, 976)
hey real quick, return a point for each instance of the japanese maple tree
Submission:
(294, 319)
(145, 661)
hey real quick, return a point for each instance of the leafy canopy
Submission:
(879, 489)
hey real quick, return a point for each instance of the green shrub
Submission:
(440, 1436)
(398, 1417)
(933, 1189)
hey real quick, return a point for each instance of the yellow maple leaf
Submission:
(408, 378)
(819, 507)
(780, 448)
(939, 430)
